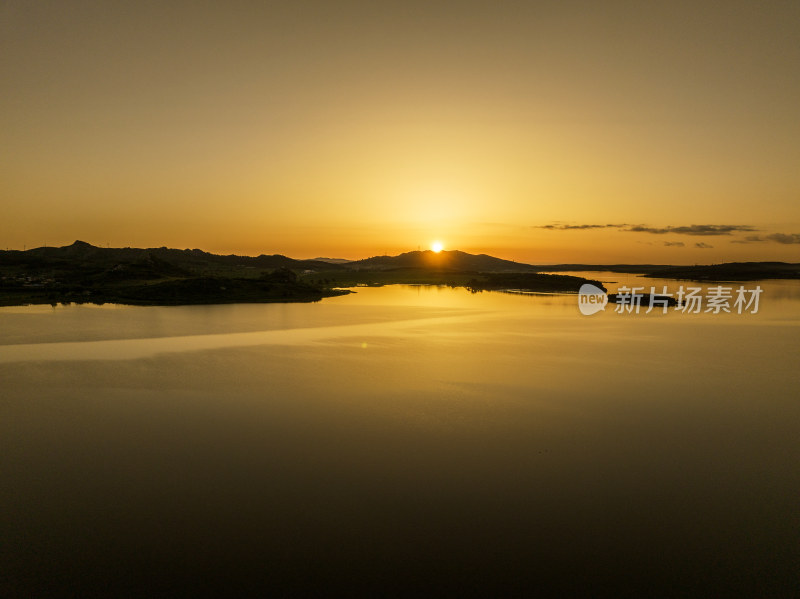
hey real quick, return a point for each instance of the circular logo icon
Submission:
(591, 299)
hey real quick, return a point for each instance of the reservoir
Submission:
(401, 440)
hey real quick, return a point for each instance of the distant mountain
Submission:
(446, 260)
(141, 263)
(81, 253)
(82, 272)
(730, 271)
(333, 260)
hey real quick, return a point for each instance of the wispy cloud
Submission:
(703, 246)
(675, 244)
(699, 230)
(784, 238)
(692, 229)
(560, 227)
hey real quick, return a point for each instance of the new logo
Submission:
(591, 299)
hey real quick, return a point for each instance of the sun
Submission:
(437, 246)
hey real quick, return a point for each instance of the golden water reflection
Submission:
(401, 438)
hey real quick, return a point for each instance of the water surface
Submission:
(411, 439)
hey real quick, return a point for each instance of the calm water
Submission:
(401, 440)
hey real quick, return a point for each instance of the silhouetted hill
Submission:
(445, 260)
(81, 272)
(82, 253)
(730, 271)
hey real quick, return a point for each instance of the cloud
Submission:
(559, 227)
(749, 239)
(784, 238)
(700, 230)
(697, 230)
(692, 229)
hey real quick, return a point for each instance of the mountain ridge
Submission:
(82, 251)
(444, 260)
(81, 254)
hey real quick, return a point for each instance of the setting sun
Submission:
(437, 246)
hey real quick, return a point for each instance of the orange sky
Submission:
(348, 129)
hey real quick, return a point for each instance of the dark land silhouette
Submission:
(729, 271)
(82, 272)
(452, 260)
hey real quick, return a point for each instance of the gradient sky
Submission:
(349, 129)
